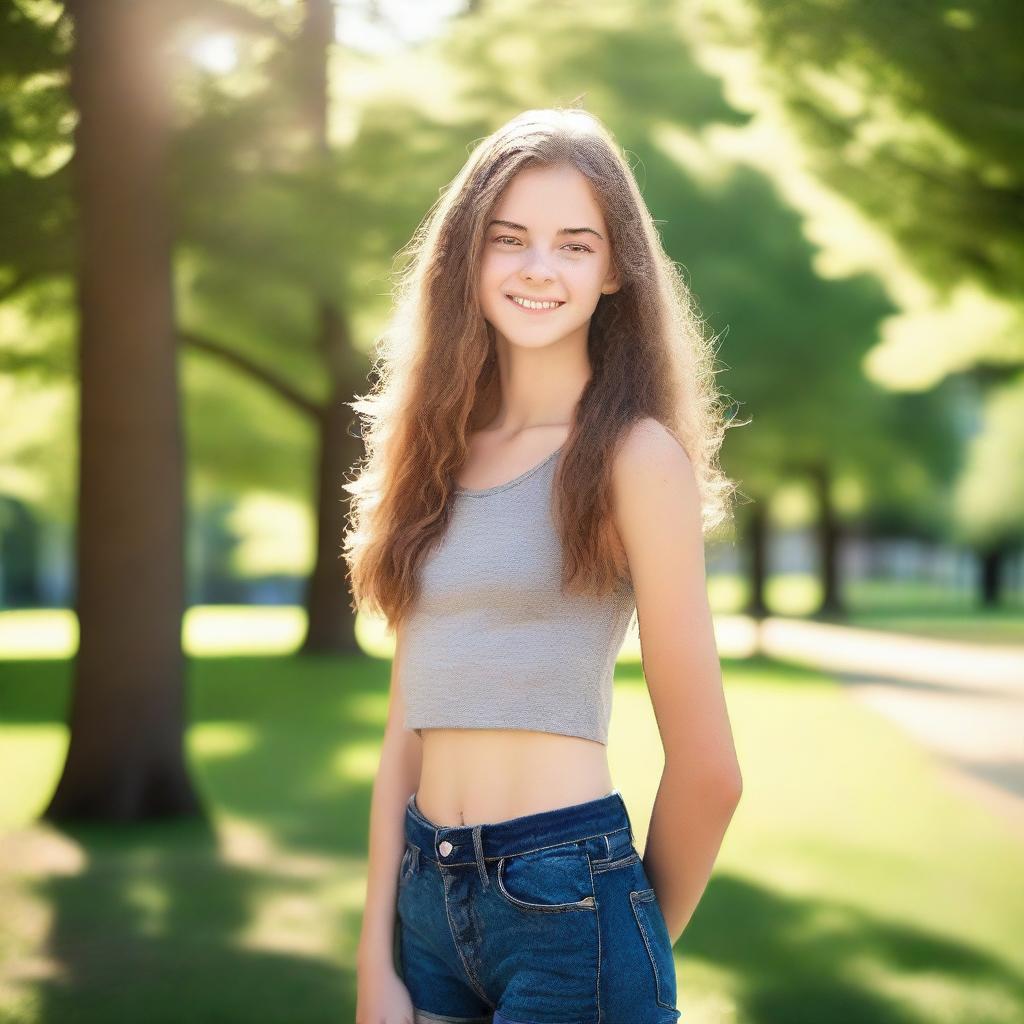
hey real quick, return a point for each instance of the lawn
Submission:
(853, 885)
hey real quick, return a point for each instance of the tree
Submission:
(909, 113)
(127, 715)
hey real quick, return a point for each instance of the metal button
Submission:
(445, 848)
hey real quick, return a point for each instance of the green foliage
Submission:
(268, 225)
(912, 110)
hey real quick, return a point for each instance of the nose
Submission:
(536, 269)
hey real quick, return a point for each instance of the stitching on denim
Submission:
(426, 1015)
(593, 888)
(410, 807)
(607, 845)
(602, 866)
(473, 980)
(648, 896)
(478, 849)
(587, 903)
(534, 849)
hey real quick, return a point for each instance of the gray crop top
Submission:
(492, 642)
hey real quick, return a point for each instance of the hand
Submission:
(381, 997)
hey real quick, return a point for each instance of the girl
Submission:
(541, 453)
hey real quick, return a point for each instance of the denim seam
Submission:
(478, 850)
(473, 980)
(535, 849)
(601, 866)
(427, 1015)
(430, 827)
(643, 897)
(593, 888)
(608, 856)
(587, 903)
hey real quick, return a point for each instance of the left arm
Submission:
(657, 514)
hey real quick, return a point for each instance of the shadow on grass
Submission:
(156, 923)
(801, 961)
(152, 928)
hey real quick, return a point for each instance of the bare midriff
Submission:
(477, 776)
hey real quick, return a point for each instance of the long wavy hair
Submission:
(437, 377)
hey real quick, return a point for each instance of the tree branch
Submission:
(254, 371)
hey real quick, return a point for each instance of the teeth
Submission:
(529, 304)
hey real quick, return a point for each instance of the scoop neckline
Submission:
(479, 491)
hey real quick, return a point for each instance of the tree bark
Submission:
(127, 715)
(330, 621)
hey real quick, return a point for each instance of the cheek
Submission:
(583, 279)
(496, 265)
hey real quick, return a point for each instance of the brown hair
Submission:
(437, 379)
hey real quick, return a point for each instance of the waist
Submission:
(511, 836)
(488, 775)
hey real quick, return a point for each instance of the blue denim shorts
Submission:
(545, 919)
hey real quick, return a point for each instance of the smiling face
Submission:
(546, 243)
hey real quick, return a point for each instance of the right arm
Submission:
(398, 776)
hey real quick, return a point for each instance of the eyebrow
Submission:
(561, 231)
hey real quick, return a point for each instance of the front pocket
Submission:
(554, 880)
(651, 922)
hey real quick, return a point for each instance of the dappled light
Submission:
(258, 341)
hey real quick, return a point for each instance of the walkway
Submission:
(963, 701)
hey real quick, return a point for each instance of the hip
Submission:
(548, 916)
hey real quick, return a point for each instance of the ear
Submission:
(612, 283)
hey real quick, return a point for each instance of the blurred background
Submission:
(202, 204)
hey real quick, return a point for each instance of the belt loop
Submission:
(478, 849)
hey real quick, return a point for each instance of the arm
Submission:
(657, 513)
(397, 778)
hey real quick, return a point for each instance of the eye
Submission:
(574, 247)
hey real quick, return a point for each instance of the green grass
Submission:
(217, 630)
(920, 609)
(852, 886)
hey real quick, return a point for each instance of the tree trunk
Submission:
(20, 546)
(757, 522)
(829, 533)
(993, 565)
(330, 621)
(127, 715)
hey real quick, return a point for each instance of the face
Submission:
(546, 241)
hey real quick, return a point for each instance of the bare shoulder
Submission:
(650, 459)
(656, 508)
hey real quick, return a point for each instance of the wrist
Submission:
(373, 954)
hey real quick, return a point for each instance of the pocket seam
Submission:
(637, 897)
(587, 903)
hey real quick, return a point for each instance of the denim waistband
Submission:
(466, 844)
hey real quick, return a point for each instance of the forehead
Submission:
(538, 197)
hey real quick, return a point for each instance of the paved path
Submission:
(963, 701)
